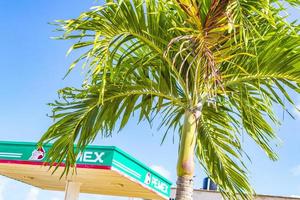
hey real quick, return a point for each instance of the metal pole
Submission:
(72, 190)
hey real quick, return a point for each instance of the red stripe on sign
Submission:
(23, 162)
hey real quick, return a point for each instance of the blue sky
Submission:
(32, 66)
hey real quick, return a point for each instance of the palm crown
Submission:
(225, 61)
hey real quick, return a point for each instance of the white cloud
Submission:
(161, 170)
(33, 194)
(55, 198)
(295, 196)
(2, 185)
(296, 171)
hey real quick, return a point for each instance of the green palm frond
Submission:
(80, 116)
(163, 58)
(219, 152)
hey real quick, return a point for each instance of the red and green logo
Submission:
(38, 154)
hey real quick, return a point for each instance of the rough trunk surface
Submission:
(184, 189)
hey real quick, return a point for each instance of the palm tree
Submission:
(210, 70)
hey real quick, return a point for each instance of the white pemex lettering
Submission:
(159, 185)
(89, 156)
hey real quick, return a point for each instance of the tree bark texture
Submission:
(184, 189)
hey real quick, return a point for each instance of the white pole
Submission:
(72, 190)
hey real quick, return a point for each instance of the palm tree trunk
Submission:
(184, 190)
(185, 164)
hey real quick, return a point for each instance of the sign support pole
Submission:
(72, 190)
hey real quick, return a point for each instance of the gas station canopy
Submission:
(100, 170)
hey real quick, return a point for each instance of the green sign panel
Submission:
(94, 157)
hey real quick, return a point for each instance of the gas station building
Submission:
(104, 170)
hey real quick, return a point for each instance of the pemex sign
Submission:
(93, 157)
